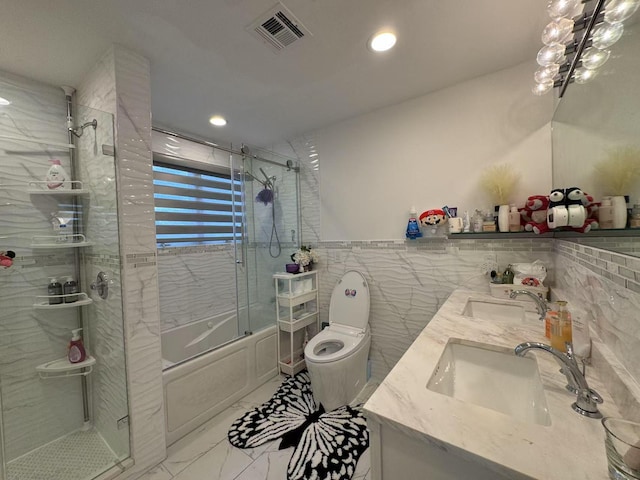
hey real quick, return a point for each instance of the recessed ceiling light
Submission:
(381, 42)
(218, 121)
(4, 101)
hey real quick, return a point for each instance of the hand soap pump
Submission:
(77, 352)
(413, 227)
(57, 178)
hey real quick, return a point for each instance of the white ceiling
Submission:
(204, 62)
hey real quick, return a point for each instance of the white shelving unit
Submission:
(296, 312)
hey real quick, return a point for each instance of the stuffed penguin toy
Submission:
(557, 212)
(575, 208)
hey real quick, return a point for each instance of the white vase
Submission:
(503, 218)
(619, 211)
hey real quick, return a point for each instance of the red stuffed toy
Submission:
(591, 208)
(534, 214)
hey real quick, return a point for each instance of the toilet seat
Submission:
(321, 348)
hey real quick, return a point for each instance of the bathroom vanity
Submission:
(508, 417)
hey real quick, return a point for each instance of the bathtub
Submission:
(200, 388)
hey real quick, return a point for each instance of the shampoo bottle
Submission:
(69, 287)
(57, 178)
(514, 219)
(54, 288)
(77, 352)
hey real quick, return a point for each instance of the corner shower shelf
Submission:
(62, 367)
(35, 140)
(40, 188)
(83, 299)
(50, 241)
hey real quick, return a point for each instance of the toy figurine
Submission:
(6, 258)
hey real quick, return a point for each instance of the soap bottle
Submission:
(77, 352)
(507, 275)
(69, 287)
(514, 219)
(561, 327)
(605, 214)
(413, 227)
(54, 288)
(57, 178)
(635, 217)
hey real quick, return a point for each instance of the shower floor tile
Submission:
(206, 453)
(81, 455)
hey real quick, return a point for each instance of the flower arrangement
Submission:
(499, 181)
(304, 256)
(620, 171)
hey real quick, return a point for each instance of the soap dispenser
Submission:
(77, 352)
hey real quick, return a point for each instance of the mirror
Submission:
(593, 123)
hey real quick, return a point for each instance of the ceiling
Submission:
(204, 62)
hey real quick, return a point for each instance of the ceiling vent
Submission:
(278, 28)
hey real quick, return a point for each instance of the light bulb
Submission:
(606, 35)
(619, 10)
(381, 42)
(583, 75)
(540, 88)
(551, 54)
(562, 8)
(594, 58)
(217, 121)
(557, 31)
(546, 73)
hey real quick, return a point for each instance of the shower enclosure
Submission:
(59, 420)
(226, 222)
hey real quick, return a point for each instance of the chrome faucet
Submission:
(541, 304)
(587, 400)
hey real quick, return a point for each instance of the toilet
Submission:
(337, 356)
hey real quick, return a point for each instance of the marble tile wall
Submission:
(120, 84)
(408, 282)
(607, 286)
(34, 411)
(195, 285)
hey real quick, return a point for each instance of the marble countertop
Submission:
(572, 447)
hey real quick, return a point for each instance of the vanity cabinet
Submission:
(297, 317)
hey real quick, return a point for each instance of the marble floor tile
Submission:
(197, 443)
(271, 465)
(222, 462)
(206, 453)
(157, 473)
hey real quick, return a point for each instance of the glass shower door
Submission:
(59, 420)
(272, 229)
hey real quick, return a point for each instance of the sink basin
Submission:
(491, 377)
(497, 311)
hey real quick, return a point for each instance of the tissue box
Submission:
(503, 290)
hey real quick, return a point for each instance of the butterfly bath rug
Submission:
(327, 444)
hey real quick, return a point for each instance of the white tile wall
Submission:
(34, 411)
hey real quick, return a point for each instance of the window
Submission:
(195, 207)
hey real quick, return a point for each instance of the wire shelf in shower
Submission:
(35, 140)
(62, 367)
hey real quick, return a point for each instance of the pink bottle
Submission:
(77, 352)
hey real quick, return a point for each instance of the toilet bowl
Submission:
(337, 356)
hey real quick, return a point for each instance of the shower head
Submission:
(79, 130)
